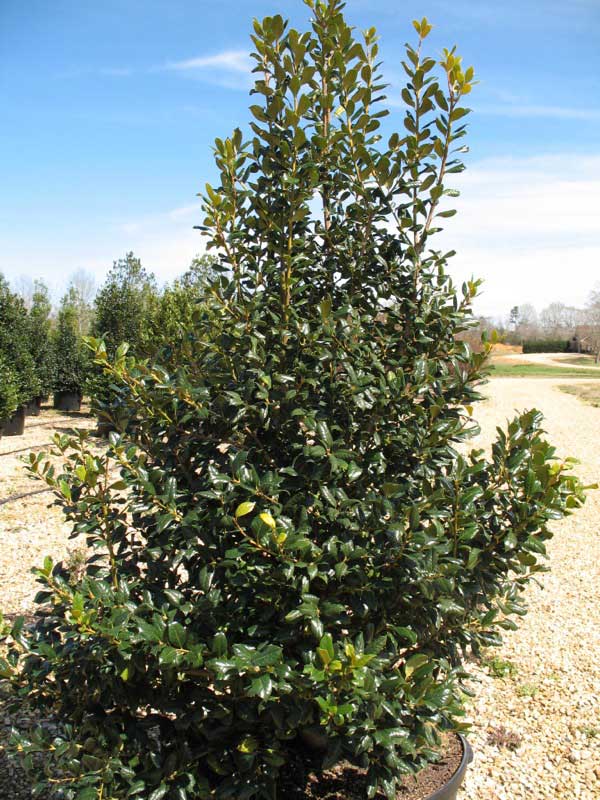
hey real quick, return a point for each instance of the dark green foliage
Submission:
(171, 327)
(123, 308)
(546, 346)
(15, 344)
(72, 363)
(124, 304)
(9, 392)
(40, 337)
(293, 545)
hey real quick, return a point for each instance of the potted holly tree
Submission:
(41, 345)
(16, 357)
(292, 551)
(9, 394)
(124, 307)
(70, 359)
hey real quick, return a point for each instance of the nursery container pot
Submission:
(444, 787)
(67, 401)
(105, 427)
(15, 425)
(34, 407)
(450, 789)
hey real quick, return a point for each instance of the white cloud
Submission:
(184, 212)
(529, 110)
(503, 103)
(165, 241)
(231, 69)
(229, 60)
(161, 219)
(574, 15)
(530, 228)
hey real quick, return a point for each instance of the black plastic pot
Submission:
(67, 401)
(34, 407)
(315, 740)
(450, 789)
(15, 425)
(104, 428)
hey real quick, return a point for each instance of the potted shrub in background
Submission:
(290, 556)
(70, 360)
(123, 307)
(8, 394)
(171, 324)
(15, 352)
(40, 345)
(28, 380)
(14, 425)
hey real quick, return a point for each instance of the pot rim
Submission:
(456, 780)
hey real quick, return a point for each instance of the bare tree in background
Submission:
(589, 330)
(85, 284)
(82, 289)
(526, 322)
(24, 286)
(513, 317)
(528, 315)
(559, 319)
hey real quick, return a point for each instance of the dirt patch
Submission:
(500, 349)
(586, 392)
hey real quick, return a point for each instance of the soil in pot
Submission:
(67, 401)
(15, 425)
(439, 781)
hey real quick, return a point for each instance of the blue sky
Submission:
(109, 111)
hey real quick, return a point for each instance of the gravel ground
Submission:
(551, 698)
(30, 529)
(536, 730)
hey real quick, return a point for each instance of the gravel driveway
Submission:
(29, 528)
(551, 698)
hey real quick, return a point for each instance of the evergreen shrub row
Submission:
(546, 346)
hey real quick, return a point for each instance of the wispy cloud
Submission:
(550, 112)
(182, 217)
(529, 228)
(231, 69)
(224, 69)
(500, 103)
(510, 107)
(165, 240)
(229, 60)
(185, 212)
(572, 15)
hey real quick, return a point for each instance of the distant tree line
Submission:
(43, 350)
(558, 327)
